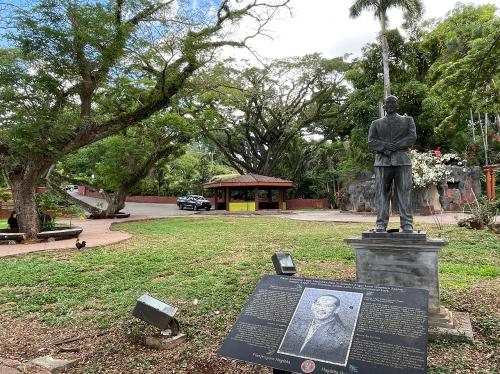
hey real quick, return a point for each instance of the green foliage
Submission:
(445, 69)
(55, 205)
(75, 72)
(407, 68)
(319, 168)
(253, 114)
(121, 161)
(463, 52)
(47, 201)
(183, 175)
(412, 9)
(5, 195)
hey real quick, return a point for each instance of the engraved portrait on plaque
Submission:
(322, 326)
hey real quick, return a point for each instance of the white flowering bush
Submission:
(448, 158)
(430, 168)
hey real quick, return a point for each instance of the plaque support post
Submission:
(278, 371)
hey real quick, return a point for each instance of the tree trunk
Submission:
(116, 201)
(385, 56)
(24, 196)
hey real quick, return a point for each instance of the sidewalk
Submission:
(449, 218)
(95, 232)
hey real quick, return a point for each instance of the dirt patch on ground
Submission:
(117, 350)
(483, 304)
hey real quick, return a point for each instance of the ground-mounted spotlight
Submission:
(156, 313)
(283, 264)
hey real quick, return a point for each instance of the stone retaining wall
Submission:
(448, 196)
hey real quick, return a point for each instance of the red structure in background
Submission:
(292, 204)
(6, 208)
(490, 172)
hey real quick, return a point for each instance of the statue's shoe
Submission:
(381, 228)
(408, 228)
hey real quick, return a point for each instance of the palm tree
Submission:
(413, 9)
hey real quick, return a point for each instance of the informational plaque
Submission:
(320, 326)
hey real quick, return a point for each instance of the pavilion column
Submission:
(216, 198)
(228, 198)
(256, 191)
(280, 198)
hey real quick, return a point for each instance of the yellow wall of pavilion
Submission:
(247, 206)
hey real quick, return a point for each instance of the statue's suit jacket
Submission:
(392, 129)
(330, 343)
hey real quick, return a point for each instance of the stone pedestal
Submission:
(407, 260)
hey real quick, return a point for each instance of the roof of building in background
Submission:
(249, 180)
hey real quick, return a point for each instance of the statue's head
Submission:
(391, 104)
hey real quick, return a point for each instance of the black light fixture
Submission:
(156, 313)
(283, 264)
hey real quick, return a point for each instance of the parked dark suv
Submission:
(194, 202)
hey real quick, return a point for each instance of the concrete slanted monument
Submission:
(405, 257)
(305, 325)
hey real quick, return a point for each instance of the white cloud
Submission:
(324, 26)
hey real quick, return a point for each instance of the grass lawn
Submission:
(216, 261)
(3, 224)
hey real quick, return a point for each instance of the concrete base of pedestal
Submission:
(450, 325)
(163, 342)
(407, 262)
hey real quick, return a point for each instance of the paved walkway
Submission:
(140, 209)
(97, 232)
(337, 216)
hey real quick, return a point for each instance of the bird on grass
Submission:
(80, 245)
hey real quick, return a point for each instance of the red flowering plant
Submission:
(470, 154)
(474, 154)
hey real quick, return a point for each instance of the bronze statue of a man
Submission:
(391, 137)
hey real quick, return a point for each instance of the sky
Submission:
(324, 26)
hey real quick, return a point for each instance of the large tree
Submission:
(65, 58)
(412, 9)
(253, 114)
(118, 163)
